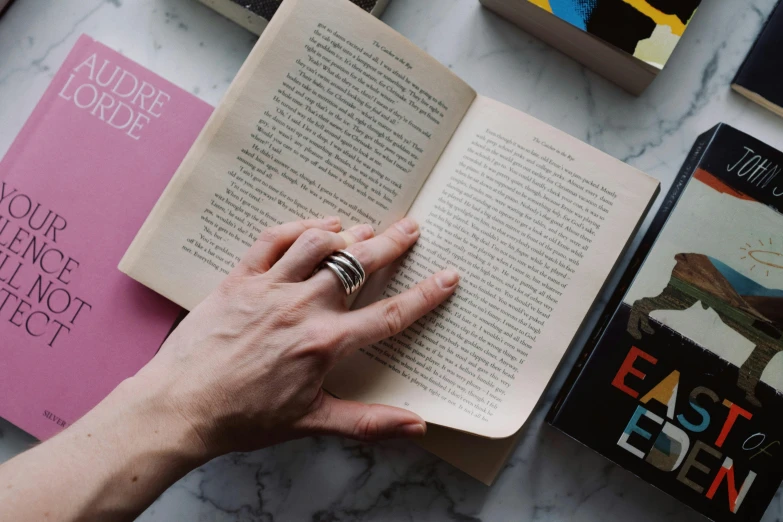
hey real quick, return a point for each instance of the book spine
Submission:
(668, 204)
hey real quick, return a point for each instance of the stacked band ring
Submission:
(347, 268)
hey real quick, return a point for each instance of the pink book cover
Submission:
(75, 187)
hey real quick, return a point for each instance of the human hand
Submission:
(244, 370)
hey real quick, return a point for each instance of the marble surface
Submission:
(549, 477)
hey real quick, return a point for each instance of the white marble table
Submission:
(550, 477)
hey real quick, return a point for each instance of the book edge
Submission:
(129, 262)
(757, 99)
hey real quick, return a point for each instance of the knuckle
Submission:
(315, 241)
(287, 318)
(291, 313)
(363, 252)
(230, 286)
(426, 295)
(269, 236)
(397, 240)
(321, 340)
(240, 297)
(315, 335)
(367, 428)
(393, 317)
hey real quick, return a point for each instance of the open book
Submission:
(335, 113)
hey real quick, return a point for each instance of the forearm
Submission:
(243, 371)
(110, 465)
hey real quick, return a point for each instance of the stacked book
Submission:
(627, 41)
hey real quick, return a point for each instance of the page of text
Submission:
(534, 221)
(333, 114)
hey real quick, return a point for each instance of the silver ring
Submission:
(347, 268)
(350, 257)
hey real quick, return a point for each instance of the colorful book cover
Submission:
(75, 186)
(646, 29)
(683, 384)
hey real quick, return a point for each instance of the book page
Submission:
(486, 458)
(333, 113)
(534, 220)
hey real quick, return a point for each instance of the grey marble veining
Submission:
(550, 477)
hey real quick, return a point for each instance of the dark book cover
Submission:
(254, 15)
(681, 385)
(266, 8)
(760, 77)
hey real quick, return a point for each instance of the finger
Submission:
(377, 252)
(365, 422)
(385, 248)
(273, 242)
(307, 252)
(390, 316)
(356, 234)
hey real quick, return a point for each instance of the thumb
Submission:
(365, 422)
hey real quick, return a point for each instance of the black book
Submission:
(681, 382)
(760, 78)
(254, 15)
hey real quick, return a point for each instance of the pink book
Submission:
(75, 187)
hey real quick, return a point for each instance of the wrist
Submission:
(121, 456)
(154, 419)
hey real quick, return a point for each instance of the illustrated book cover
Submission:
(760, 78)
(682, 385)
(75, 186)
(627, 41)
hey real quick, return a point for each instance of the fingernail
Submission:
(447, 279)
(412, 431)
(362, 232)
(408, 226)
(332, 220)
